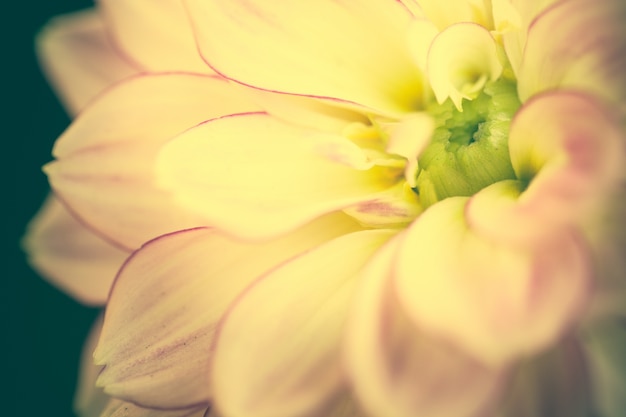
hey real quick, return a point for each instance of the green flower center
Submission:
(469, 149)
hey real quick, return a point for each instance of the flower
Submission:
(342, 208)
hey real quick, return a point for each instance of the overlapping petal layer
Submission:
(166, 301)
(104, 167)
(156, 35)
(79, 59)
(70, 255)
(294, 52)
(219, 170)
(396, 369)
(513, 300)
(277, 352)
(587, 52)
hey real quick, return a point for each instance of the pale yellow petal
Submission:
(156, 34)
(70, 255)
(254, 176)
(277, 352)
(349, 51)
(79, 59)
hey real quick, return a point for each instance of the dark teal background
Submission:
(43, 329)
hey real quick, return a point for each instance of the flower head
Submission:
(342, 208)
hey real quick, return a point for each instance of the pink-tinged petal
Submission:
(396, 369)
(555, 383)
(349, 51)
(588, 51)
(257, 177)
(79, 59)
(155, 34)
(605, 344)
(568, 151)
(496, 299)
(165, 303)
(277, 352)
(70, 256)
(105, 160)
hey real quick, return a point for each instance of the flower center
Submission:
(469, 149)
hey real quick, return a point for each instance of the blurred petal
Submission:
(397, 370)
(79, 59)
(570, 149)
(444, 14)
(105, 160)
(257, 177)
(295, 49)
(164, 306)
(89, 400)
(154, 33)
(574, 56)
(277, 350)
(512, 300)
(70, 255)
(554, 383)
(461, 60)
(605, 344)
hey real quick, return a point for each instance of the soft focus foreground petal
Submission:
(605, 344)
(104, 167)
(350, 51)
(155, 34)
(256, 177)
(461, 60)
(397, 370)
(588, 51)
(78, 58)
(554, 383)
(512, 300)
(568, 151)
(68, 254)
(160, 319)
(277, 351)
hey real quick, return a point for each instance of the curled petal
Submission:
(568, 151)
(220, 170)
(70, 255)
(349, 51)
(512, 300)
(461, 60)
(277, 350)
(166, 301)
(588, 51)
(156, 35)
(396, 369)
(79, 59)
(104, 167)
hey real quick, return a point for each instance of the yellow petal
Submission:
(396, 369)
(160, 320)
(350, 51)
(257, 177)
(277, 351)
(70, 255)
(157, 35)
(498, 300)
(461, 60)
(79, 59)
(104, 167)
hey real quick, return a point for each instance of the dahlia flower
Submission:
(384, 208)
